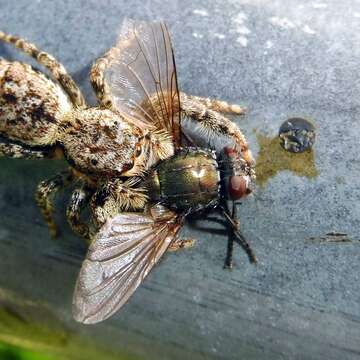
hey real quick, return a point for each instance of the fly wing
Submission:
(141, 76)
(121, 255)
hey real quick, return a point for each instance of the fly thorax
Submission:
(152, 185)
(188, 181)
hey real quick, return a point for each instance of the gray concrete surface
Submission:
(280, 58)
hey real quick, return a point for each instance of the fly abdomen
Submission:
(188, 181)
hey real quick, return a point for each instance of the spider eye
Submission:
(138, 150)
(238, 187)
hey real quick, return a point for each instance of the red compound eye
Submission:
(238, 187)
(230, 152)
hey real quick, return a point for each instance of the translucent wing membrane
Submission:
(141, 76)
(121, 255)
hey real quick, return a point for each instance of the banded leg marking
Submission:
(56, 69)
(45, 196)
(215, 104)
(79, 199)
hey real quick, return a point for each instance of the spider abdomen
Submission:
(31, 105)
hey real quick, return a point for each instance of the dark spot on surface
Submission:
(108, 102)
(10, 98)
(34, 53)
(63, 79)
(39, 113)
(32, 94)
(18, 120)
(223, 128)
(94, 149)
(70, 160)
(111, 134)
(127, 167)
(8, 78)
(101, 196)
(96, 137)
(94, 162)
(97, 149)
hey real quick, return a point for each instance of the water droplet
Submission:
(297, 135)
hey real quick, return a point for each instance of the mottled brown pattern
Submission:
(217, 105)
(97, 80)
(45, 196)
(78, 201)
(32, 105)
(104, 143)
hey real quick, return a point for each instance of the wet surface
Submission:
(272, 159)
(281, 60)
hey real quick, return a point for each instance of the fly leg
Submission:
(230, 245)
(214, 124)
(56, 69)
(44, 197)
(214, 104)
(79, 199)
(235, 235)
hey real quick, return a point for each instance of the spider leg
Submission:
(238, 237)
(45, 193)
(214, 124)
(98, 82)
(79, 198)
(235, 235)
(178, 244)
(56, 69)
(215, 104)
(116, 196)
(20, 151)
